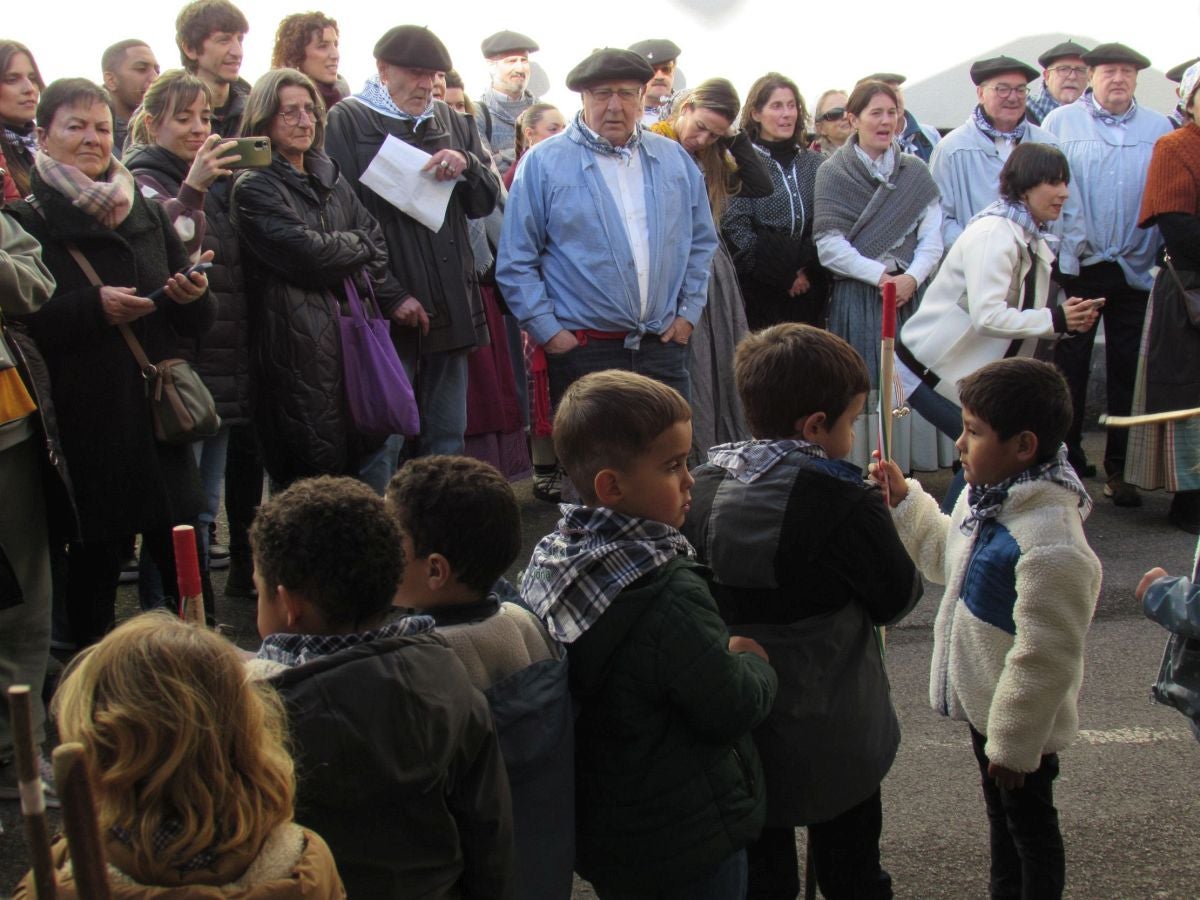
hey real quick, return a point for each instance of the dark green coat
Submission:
(667, 779)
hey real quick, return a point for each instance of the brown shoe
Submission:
(1122, 492)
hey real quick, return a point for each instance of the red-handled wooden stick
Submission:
(33, 797)
(187, 574)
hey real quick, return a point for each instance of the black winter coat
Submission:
(302, 235)
(125, 481)
(436, 268)
(222, 354)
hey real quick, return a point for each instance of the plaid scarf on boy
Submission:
(747, 461)
(592, 556)
(107, 200)
(985, 500)
(297, 649)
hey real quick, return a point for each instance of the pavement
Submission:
(1127, 792)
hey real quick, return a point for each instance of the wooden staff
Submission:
(79, 823)
(187, 575)
(1173, 415)
(887, 370)
(33, 797)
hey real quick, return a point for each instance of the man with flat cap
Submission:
(1108, 139)
(914, 138)
(1064, 77)
(966, 163)
(608, 236)
(507, 55)
(441, 320)
(661, 55)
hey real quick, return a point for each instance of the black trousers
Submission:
(1028, 861)
(1123, 313)
(845, 856)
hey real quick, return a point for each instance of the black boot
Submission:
(1184, 513)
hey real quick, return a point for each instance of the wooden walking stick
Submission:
(79, 823)
(33, 797)
(187, 575)
(1173, 415)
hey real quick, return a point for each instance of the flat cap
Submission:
(885, 77)
(1175, 73)
(1116, 53)
(1058, 51)
(656, 50)
(415, 47)
(984, 69)
(503, 43)
(609, 64)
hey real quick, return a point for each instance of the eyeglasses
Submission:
(627, 95)
(1004, 90)
(1064, 71)
(832, 115)
(291, 114)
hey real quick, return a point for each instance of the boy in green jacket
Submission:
(669, 789)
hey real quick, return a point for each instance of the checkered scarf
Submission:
(375, 95)
(1016, 212)
(25, 137)
(603, 146)
(167, 832)
(747, 461)
(984, 124)
(297, 649)
(1099, 112)
(107, 200)
(986, 500)
(592, 556)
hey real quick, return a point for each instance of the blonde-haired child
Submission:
(193, 781)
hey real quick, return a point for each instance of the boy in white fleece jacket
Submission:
(1021, 587)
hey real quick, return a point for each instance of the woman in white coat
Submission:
(990, 297)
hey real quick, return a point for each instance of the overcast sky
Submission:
(819, 44)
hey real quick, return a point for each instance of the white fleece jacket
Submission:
(1019, 690)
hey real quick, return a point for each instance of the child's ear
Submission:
(1027, 447)
(811, 427)
(607, 487)
(438, 571)
(294, 606)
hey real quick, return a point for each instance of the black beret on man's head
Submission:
(609, 64)
(1061, 51)
(414, 47)
(885, 77)
(503, 43)
(1175, 73)
(1116, 53)
(656, 50)
(983, 69)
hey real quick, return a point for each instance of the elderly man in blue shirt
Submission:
(607, 236)
(1108, 139)
(1064, 78)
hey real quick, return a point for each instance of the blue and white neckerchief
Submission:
(986, 500)
(598, 144)
(984, 124)
(1017, 212)
(375, 95)
(747, 461)
(1099, 112)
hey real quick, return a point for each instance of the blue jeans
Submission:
(667, 363)
(442, 400)
(210, 460)
(378, 468)
(724, 881)
(946, 418)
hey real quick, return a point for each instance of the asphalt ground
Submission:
(1127, 794)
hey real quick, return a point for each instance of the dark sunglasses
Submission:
(832, 115)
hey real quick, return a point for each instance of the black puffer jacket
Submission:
(125, 481)
(222, 354)
(301, 235)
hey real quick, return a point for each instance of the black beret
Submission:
(1175, 73)
(885, 77)
(414, 47)
(609, 64)
(1058, 51)
(984, 69)
(656, 50)
(1116, 53)
(504, 42)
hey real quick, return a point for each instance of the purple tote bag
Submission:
(378, 392)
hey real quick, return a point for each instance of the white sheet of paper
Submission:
(395, 175)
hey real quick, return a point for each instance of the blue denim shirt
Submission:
(565, 261)
(1108, 173)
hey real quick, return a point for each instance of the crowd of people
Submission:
(666, 308)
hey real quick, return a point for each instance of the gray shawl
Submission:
(873, 216)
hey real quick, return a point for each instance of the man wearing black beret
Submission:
(1108, 139)
(661, 54)
(966, 163)
(442, 319)
(1064, 76)
(507, 55)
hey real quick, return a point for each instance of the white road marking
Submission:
(1134, 735)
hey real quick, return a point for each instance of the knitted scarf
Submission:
(108, 201)
(375, 95)
(747, 461)
(600, 145)
(593, 555)
(984, 124)
(1016, 212)
(986, 500)
(874, 217)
